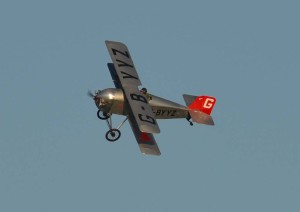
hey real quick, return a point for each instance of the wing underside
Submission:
(140, 114)
(127, 78)
(146, 141)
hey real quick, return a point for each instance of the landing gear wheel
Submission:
(113, 135)
(103, 116)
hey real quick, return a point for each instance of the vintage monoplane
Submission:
(142, 109)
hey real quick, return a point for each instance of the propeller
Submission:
(95, 97)
(90, 93)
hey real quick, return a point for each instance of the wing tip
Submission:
(107, 42)
(147, 151)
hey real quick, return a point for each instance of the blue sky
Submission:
(53, 154)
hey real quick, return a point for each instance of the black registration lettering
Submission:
(147, 118)
(126, 75)
(115, 51)
(158, 112)
(173, 113)
(138, 98)
(122, 63)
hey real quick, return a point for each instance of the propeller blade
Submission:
(89, 93)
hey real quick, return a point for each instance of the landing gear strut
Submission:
(112, 134)
(188, 118)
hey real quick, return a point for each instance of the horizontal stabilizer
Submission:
(188, 99)
(201, 118)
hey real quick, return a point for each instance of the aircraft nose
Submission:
(96, 97)
(104, 97)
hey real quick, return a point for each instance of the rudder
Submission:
(204, 104)
(200, 108)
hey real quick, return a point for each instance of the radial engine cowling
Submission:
(110, 100)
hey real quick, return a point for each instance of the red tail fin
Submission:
(203, 103)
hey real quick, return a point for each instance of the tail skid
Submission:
(200, 108)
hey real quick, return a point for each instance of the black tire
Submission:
(113, 135)
(101, 115)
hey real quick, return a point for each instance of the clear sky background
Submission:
(53, 154)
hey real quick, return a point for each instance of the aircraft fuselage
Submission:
(112, 101)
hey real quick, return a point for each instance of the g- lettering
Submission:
(147, 118)
(208, 103)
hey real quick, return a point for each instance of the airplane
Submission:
(139, 107)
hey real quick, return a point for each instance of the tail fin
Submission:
(200, 108)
